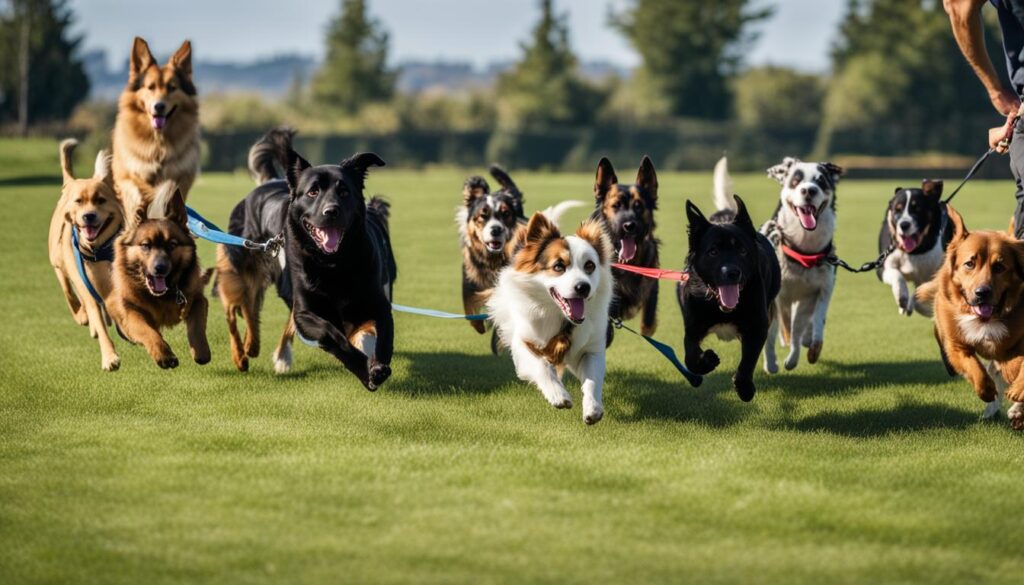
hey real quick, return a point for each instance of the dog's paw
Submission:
(906, 304)
(744, 388)
(241, 362)
(81, 317)
(379, 373)
(771, 367)
(1016, 416)
(792, 360)
(814, 352)
(560, 400)
(1015, 394)
(593, 415)
(706, 363)
(283, 360)
(167, 361)
(112, 363)
(252, 349)
(987, 389)
(201, 356)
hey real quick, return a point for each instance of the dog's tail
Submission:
(271, 148)
(378, 206)
(554, 213)
(67, 150)
(723, 186)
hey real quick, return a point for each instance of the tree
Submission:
(355, 71)
(41, 72)
(690, 49)
(543, 90)
(776, 99)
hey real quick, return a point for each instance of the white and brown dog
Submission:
(550, 308)
(801, 231)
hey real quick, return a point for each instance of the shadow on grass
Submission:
(30, 181)
(820, 380)
(714, 403)
(453, 373)
(906, 417)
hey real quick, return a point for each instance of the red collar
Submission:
(807, 260)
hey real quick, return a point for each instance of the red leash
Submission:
(654, 272)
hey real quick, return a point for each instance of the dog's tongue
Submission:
(329, 238)
(807, 217)
(983, 311)
(729, 295)
(90, 232)
(576, 307)
(159, 284)
(908, 243)
(159, 122)
(627, 249)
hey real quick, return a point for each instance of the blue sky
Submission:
(798, 35)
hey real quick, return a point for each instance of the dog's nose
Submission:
(161, 268)
(731, 274)
(159, 107)
(809, 191)
(629, 227)
(89, 218)
(495, 230)
(582, 288)
(983, 293)
(331, 211)
(904, 225)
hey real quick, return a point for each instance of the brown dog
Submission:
(976, 296)
(91, 207)
(156, 136)
(158, 282)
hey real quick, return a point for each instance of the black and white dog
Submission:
(917, 229)
(801, 231)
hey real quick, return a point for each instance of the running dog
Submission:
(734, 277)
(978, 314)
(916, 229)
(550, 308)
(156, 135)
(157, 279)
(802, 230)
(89, 207)
(626, 212)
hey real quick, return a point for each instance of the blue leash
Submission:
(438, 314)
(665, 350)
(207, 230)
(81, 266)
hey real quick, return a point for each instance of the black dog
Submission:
(734, 278)
(340, 269)
(626, 211)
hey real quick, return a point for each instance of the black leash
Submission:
(970, 174)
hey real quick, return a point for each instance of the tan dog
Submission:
(978, 315)
(91, 207)
(157, 280)
(156, 136)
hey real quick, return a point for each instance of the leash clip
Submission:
(616, 323)
(179, 297)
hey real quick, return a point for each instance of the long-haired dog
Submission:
(156, 135)
(89, 207)
(917, 229)
(978, 314)
(157, 279)
(801, 231)
(734, 279)
(626, 211)
(550, 308)
(491, 225)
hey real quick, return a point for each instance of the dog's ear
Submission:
(897, 191)
(780, 171)
(176, 210)
(503, 178)
(932, 188)
(67, 167)
(360, 163)
(743, 216)
(647, 179)
(102, 168)
(182, 59)
(540, 228)
(697, 223)
(593, 232)
(474, 188)
(833, 171)
(293, 170)
(605, 178)
(140, 60)
(957, 221)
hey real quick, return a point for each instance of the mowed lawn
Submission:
(871, 466)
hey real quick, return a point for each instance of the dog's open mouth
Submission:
(909, 243)
(157, 284)
(728, 296)
(983, 311)
(494, 246)
(327, 238)
(808, 215)
(160, 120)
(91, 232)
(627, 249)
(571, 308)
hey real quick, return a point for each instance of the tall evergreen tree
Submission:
(355, 71)
(40, 67)
(690, 49)
(544, 89)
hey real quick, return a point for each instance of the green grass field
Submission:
(871, 466)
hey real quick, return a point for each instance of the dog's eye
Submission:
(558, 267)
(589, 266)
(969, 265)
(172, 245)
(712, 251)
(638, 204)
(171, 87)
(313, 192)
(743, 251)
(998, 268)
(152, 87)
(100, 200)
(145, 246)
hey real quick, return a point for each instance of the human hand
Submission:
(1005, 101)
(999, 138)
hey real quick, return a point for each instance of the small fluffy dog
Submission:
(157, 279)
(734, 279)
(626, 211)
(916, 225)
(550, 308)
(978, 314)
(90, 207)
(801, 231)
(156, 135)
